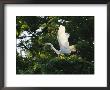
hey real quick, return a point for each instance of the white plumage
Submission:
(63, 42)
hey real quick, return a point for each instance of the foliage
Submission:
(33, 57)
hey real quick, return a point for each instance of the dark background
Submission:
(41, 59)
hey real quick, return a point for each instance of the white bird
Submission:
(63, 42)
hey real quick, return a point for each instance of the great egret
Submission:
(63, 42)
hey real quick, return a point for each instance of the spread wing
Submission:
(63, 40)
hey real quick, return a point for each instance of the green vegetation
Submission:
(33, 57)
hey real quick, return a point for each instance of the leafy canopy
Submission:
(33, 57)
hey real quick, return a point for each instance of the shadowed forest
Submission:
(34, 57)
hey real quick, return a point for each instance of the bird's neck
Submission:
(57, 51)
